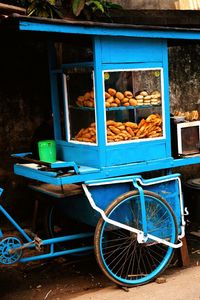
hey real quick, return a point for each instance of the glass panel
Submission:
(133, 101)
(81, 105)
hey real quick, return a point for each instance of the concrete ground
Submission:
(79, 278)
(182, 284)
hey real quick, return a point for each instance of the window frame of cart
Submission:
(136, 108)
(79, 108)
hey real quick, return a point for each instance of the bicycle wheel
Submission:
(119, 255)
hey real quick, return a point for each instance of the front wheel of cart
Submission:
(119, 255)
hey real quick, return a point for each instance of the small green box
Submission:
(47, 150)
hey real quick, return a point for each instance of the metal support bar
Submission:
(143, 208)
(55, 254)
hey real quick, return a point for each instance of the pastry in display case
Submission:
(81, 105)
(133, 103)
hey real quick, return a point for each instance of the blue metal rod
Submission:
(56, 254)
(66, 238)
(143, 208)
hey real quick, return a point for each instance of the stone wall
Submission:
(184, 74)
(146, 4)
(24, 100)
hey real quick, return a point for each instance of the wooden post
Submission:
(184, 255)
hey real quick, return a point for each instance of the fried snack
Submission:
(133, 102)
(92, 94)
(128, 94)
(114, 129)
(86, 96)
(117, 101)
(148, 97)
(86, 100)
(110, 99)
(107, 95)
(117, 124)
(107, 104)
(151, 118)
(110, 122)
(113, 104)
(131, 124)
(112, 92)
(151, 127)
(156, 94)
(124, 100)
(139, 97)
(144, 93)
(142, 122)
(119, 95)
(130, 131)
(121, 127)
(189, 115)
(194, 115)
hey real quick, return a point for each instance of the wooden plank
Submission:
(185, 259)
(5, 8)
(63, 191)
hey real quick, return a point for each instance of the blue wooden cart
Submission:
(113, 94)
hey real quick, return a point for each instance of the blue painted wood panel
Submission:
(102, 30)
(135, 152)
(123, 49)
(81, 154)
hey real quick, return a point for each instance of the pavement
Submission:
(182, 284)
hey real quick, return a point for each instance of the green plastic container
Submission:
(47, 150)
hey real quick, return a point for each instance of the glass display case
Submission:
(133, 104)
(133, 101)
(80, 103)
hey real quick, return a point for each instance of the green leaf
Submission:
(97, 5)
(77, 6)
(31, 12)
(52, 2)
(113, 5)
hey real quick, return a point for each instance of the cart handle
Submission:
(55, 165)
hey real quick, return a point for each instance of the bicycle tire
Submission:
(154, 265)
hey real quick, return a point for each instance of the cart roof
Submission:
(68, 26)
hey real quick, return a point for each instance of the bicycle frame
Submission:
(142, 235)
(30, 243)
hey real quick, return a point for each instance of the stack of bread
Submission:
(145, 98)
(188, 115)
(115, 98)
(86, 100)
(150, 127)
